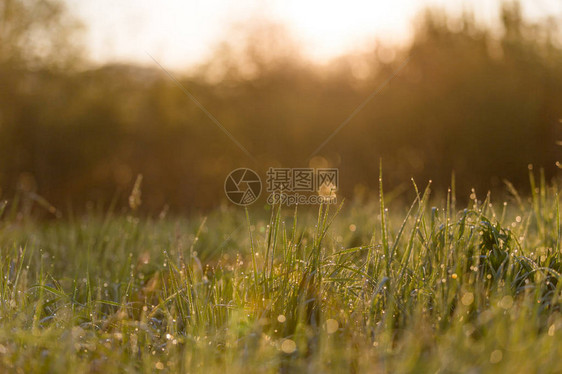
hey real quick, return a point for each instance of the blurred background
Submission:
(84, 109)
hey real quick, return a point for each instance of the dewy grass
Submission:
(364, 289)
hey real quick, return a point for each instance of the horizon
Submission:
(181, 36)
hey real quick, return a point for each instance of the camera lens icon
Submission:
(242, 186)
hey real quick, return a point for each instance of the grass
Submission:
(419, 289)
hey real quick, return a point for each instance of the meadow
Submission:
(367, 286)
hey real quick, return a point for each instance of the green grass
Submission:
(415, 289)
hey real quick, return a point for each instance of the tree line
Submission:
(471, 100)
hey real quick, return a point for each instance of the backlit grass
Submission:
(371, 288)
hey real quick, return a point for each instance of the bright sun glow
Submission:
(180, 32)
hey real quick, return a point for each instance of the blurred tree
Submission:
(38, 33)
(473, 100)
(38, 38)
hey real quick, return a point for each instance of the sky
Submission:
(183, 33)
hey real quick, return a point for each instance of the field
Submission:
(371, 286)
